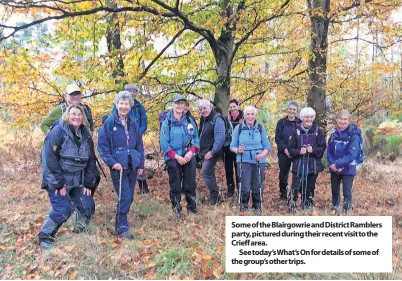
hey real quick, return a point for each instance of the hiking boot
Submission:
(292, 210)
(195, 212)
(214, 201)
(46, 245)
(143, 185)
(257, 212)
(346, 211)
(335, 210)
(283, 196)
(177, 213)
(243, 209)
(229, 195)
(85, 230)
(126, 235)
(45, 241)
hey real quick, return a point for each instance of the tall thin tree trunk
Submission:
(114, 42)
(317, 66)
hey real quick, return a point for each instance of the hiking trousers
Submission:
(127, 196)
(249, 180)
(208, 175)
(284, 163)
(62, 208)
(182, 179)
(298, 182)
(229, 159)
(347, 182)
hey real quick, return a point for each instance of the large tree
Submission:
(255, 50)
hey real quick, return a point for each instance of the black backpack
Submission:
(228, 128)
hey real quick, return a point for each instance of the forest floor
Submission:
(193, 248)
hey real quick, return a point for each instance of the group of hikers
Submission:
(70, 174)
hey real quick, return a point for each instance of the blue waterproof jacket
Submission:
(138, 114)
(179, 136)
(254, 142)
(68, 159)
(112, 143)
(343, 148)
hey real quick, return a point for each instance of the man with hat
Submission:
(179, 143)
(139, 115)
(72, 96)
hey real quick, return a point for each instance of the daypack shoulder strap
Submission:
(63, 107)
(260, 128)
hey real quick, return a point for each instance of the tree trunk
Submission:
(114, 43)
(222, 56)
(223, 50)
(317, 66)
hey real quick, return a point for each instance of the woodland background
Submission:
(325, 54)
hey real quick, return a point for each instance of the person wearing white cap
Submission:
(72, 96)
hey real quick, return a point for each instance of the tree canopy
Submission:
(326, 54)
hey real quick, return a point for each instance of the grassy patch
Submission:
(174, 262)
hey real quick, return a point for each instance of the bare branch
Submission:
(142, 75)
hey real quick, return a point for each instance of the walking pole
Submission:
(119, 198)
(259, 182)
(302, 182)
(240, 176)
(305, 186)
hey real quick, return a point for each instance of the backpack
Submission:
(259, 128)
(360, 156)
(228, 129)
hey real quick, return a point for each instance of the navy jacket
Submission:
(138, 114)
(112, 143)
(315, 138)
(284, 129)
(180, 136)
(68, 160)
(343, 148)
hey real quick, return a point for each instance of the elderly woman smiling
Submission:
(306, 147)
(121, 148)
(343, 151)
(69, 174)
(250, 143)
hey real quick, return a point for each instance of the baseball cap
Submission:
(71, 89)
(177, 98)
(131, 88)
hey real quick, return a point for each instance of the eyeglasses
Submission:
(308, 117)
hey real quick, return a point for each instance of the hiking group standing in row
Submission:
(70, 175)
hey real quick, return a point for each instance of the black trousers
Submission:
(284, 163)
(182, 179)
(347, 181)
(229, 159)
(307, 191)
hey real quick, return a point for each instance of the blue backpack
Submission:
(360, 155)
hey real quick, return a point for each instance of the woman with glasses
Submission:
(179, 142)
(250, 143)
(284, 129)
(306, 147)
